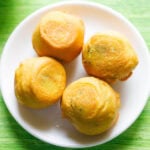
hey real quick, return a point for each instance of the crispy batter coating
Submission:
(109, 57)
(91, 105)
(39, 82)
(59, 35)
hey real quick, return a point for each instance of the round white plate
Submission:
(47, 124)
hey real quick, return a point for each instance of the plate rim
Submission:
(56, 4)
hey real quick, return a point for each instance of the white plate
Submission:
(47, 124)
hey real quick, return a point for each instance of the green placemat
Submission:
(13, 137)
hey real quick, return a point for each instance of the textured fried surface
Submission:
(91, 105)
(109, 57)
(60, 35)
(39, 82)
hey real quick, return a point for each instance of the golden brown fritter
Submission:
(109, 57)
(39, 82)
(91, 105)
(59, 35)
